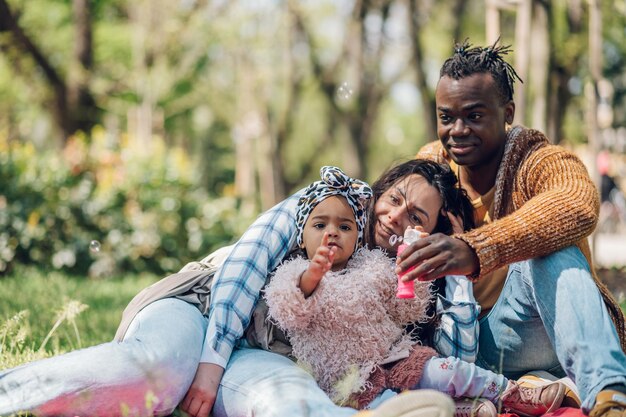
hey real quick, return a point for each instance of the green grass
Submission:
(30, 302)
(36, 305)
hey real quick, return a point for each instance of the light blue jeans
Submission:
(147, 374)
(265, 384)
(550, 316)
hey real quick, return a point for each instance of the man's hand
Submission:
(436, 256)
(201, 395)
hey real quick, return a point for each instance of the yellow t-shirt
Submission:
(489, 286)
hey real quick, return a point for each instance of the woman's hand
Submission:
(201, 395)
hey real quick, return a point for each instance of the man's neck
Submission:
(478, 181)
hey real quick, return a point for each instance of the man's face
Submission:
(471, 119)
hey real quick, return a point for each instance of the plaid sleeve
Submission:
(237, 285)
(457, 333)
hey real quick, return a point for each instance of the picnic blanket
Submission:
(561, 412)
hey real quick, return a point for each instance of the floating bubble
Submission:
(344, 91)
(395, 239)
(94, 246)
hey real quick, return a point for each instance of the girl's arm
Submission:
(287, 304)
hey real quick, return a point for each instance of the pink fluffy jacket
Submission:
(351, 325)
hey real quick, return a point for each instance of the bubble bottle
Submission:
(406, 289)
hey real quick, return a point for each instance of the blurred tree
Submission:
(568, 46)
(340, 69)
(418, 17)
(615, 58)
(71, 102)
(349, 71)
(263, 93)
(551, 97)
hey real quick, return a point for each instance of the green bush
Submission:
(99, 210)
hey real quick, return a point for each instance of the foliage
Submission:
(614, 54)
(137, 202)
(258, 83)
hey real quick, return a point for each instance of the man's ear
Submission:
(509, 112)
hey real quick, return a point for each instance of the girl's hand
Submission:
(321, 263)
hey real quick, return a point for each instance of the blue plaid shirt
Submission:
(237, 286)
(457, 333)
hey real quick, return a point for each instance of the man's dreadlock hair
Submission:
(468, 60)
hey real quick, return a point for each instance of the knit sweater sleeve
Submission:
(555, 205)
(287, 306)
(432, 151)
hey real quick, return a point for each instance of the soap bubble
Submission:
(94, 246)
(344, 91)
(395, 239)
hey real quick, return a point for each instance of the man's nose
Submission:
(459, 128)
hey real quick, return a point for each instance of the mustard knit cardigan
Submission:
(555, 202)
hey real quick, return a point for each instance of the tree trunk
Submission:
(428, 101)
(539, 70)
(80, 101)
(560, 71)
(458, 10)
(522, 57)
(72, 105)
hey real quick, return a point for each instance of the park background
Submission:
(136, 136)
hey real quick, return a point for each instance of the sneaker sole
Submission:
(418, 403)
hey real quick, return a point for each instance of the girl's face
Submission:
(335, 217)
(409, 202)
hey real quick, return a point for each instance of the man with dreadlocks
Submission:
(543, 307)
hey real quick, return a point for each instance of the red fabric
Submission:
(561, 412)
(407, 372)
(566, 412)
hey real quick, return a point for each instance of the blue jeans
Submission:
(147, 374)
(265, 384)
(550, 316)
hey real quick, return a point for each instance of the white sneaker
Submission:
(415, 403)
(541, 378)
(475, 407)
(532, 401)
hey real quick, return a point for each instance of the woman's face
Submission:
(411, 201)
